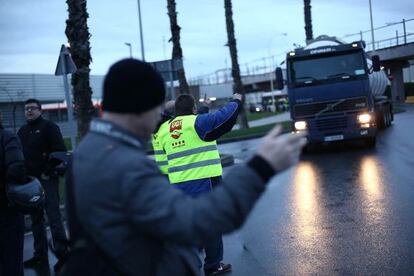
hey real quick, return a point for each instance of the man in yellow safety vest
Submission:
(160, 131)
(194, 164)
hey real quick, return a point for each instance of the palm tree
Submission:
(177, 52)
(235, 68)
(78, 36)
(308, 20)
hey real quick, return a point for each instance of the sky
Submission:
(32, 32)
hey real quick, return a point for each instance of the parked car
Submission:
(256, 108)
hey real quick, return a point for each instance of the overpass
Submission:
(396, 58)
(395, 51)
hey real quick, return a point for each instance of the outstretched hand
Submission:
(281, 150)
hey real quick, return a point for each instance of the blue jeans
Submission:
(214, 247)
(55, 222)
(11, 242)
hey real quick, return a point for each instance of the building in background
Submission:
(15, 89)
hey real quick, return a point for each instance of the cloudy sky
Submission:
(32, 31)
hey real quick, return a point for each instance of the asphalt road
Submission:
(343, 210)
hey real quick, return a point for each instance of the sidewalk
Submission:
(268, 120)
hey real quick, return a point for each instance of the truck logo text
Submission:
(320, 51)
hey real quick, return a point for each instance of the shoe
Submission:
(36, 262)
(223, 268)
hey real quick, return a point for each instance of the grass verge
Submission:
(253, 131)
(260, 115)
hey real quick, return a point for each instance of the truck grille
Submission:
(331, 124)
(349, 105)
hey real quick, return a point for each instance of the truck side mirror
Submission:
(279, 79)
(376, 64)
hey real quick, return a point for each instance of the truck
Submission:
(336, 91)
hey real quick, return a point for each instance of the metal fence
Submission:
(389, 35)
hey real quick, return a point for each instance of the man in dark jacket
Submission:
(123, 206)
(11, 221)
(39, 138)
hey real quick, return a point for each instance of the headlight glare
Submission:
(300, 125)
(364, 118)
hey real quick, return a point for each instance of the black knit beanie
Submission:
(132, 86)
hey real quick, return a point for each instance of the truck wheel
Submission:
(386, 118)
(390, 117)
(371, 142)
(381, 120)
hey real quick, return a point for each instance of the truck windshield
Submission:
(327, 68)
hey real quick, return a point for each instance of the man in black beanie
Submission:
(124, 217)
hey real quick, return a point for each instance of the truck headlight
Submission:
(364, 118)
(300, 125)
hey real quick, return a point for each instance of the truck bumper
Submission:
(339, 129)
(342, 135)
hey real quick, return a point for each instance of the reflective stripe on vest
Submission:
(189, 157)
(159, 154)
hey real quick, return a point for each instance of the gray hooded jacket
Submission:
(138, 220)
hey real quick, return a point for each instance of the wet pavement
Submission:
(343, 210)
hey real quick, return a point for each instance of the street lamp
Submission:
(272, 62)
(130, 48)
(140, 31)
(372, 26)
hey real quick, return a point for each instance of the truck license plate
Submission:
(333, 138)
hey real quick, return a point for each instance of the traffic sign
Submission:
(168, 68)
(65, 64)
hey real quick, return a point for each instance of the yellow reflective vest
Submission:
(189, 157)
(159, 154)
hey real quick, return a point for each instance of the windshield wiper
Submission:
(329, 107)
(343, 75)
(305, 80)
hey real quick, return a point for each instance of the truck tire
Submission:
(381, 119)
(388, 117)
(371, 142)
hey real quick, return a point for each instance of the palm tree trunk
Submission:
(308, 20)
(235, 68)
(78, 36)
(177, 52)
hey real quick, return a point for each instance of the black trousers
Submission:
(55, 222)
(11, 242)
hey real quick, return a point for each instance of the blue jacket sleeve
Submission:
(212, 126)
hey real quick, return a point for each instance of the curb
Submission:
(226, 160)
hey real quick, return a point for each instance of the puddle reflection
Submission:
(305, 203)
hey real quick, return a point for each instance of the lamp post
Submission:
(372, 26)
(140, 32)
(130, 48)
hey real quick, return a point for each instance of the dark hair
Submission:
(184, 105)
(29, 101)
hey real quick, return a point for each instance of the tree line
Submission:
(78, 35)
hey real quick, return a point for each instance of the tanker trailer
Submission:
(336, 91)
